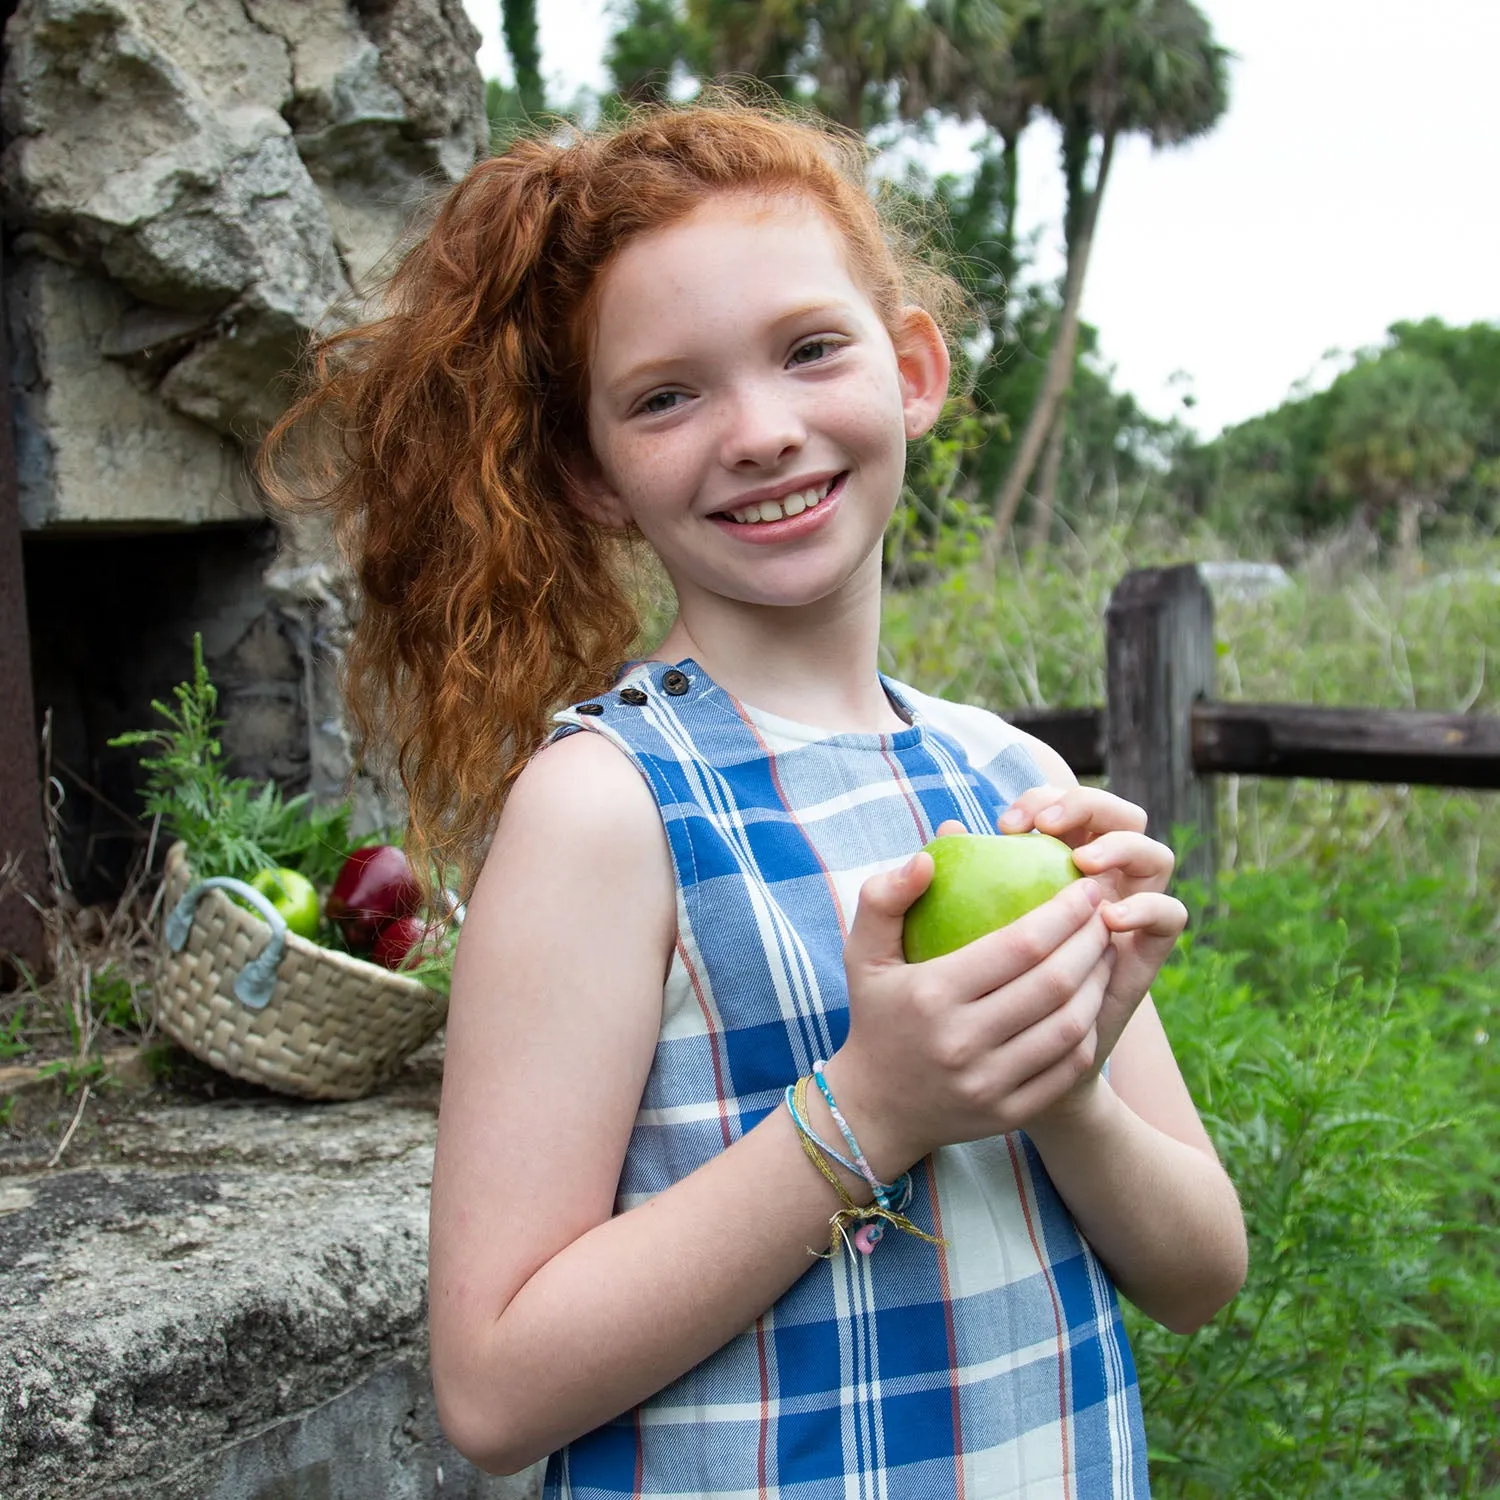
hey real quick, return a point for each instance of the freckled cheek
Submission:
(647, 471)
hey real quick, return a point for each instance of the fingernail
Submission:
(1011, 819)
(1049, 816)
(1096, 892)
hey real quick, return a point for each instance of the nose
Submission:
(762, 426)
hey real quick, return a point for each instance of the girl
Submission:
(683, 1049)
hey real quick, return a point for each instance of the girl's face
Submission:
(748, 409)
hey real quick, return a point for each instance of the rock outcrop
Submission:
(196, 189)
(226, 1301)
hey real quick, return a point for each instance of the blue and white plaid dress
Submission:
(996, 1368)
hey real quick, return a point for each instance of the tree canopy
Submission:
(1410, 433)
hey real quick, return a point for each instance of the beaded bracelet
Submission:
(880, 1189)
(897, 1193)
(868, 1235)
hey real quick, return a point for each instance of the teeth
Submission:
(790, 505)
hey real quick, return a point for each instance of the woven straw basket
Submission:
(316, 1023)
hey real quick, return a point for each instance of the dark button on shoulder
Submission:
(633, 696)
(593, 710)
(675, 682)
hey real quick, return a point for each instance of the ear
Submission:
(591, 493)
(923, 365)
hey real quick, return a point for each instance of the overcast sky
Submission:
(1352, 183)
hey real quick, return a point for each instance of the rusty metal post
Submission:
(21, 833)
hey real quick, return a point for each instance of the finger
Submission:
(1055, 1040)
(1050, 1085)
(949, 826)
(1084, 958)
(875, 934)
(1084, 812)
(1021, 814)
(1000, 956)
(1139, 859)
(1148, 913)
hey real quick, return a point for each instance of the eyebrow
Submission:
(650, 368)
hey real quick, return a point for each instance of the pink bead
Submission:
(866, 1237)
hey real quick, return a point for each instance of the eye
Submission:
(813, 351)
(658, 402)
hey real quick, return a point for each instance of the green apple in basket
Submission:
(982, 882)
(294, 896)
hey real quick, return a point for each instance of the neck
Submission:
(817, 664)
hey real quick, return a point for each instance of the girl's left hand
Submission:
(1108, 838)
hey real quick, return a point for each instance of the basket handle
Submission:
(255, 981)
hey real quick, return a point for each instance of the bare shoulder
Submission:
(579, 833)
(1055, 770)
(585, 781)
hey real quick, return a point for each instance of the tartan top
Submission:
(996, 1368)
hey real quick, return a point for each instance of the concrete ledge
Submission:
(227, 1302)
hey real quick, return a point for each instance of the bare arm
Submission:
(1141, 1178)
(1129, 1155)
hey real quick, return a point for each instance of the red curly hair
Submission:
(447, 434)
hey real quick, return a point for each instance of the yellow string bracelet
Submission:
(851, 1212)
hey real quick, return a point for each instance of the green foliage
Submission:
(1334, 1012)
(518, 24)
(1423, 410)
(1334, 1027)
(113, 996)
(73, 1073)
(13, 1041)
(1401, 424)
(230, 825)
(1025, 635)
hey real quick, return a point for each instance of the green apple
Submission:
(983, 881)
(294, 896)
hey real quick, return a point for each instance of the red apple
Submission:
(374, 887)
(400, 942)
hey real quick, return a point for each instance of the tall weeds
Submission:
(1334, 1010)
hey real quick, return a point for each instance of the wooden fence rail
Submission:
(1161, 733)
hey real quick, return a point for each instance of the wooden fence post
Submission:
(1159, 661)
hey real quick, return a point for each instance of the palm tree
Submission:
(862, 63)
(1103, 68)
(1400, 434)
(518, 23)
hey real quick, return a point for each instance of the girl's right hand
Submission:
(972, 1044)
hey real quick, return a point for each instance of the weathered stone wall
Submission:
(195, 186)
(191, 189)
(227, 1301)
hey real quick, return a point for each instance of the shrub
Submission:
(1335, 1030)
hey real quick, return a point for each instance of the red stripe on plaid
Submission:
(765, 1408)
(716, 1036)
(1023, 1193)
(770, 755)
(899, 777)
(942, 1255)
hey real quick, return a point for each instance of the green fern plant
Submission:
(230, 825)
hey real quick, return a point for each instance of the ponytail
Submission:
(488, 598)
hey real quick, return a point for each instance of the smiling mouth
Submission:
(778, 510)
